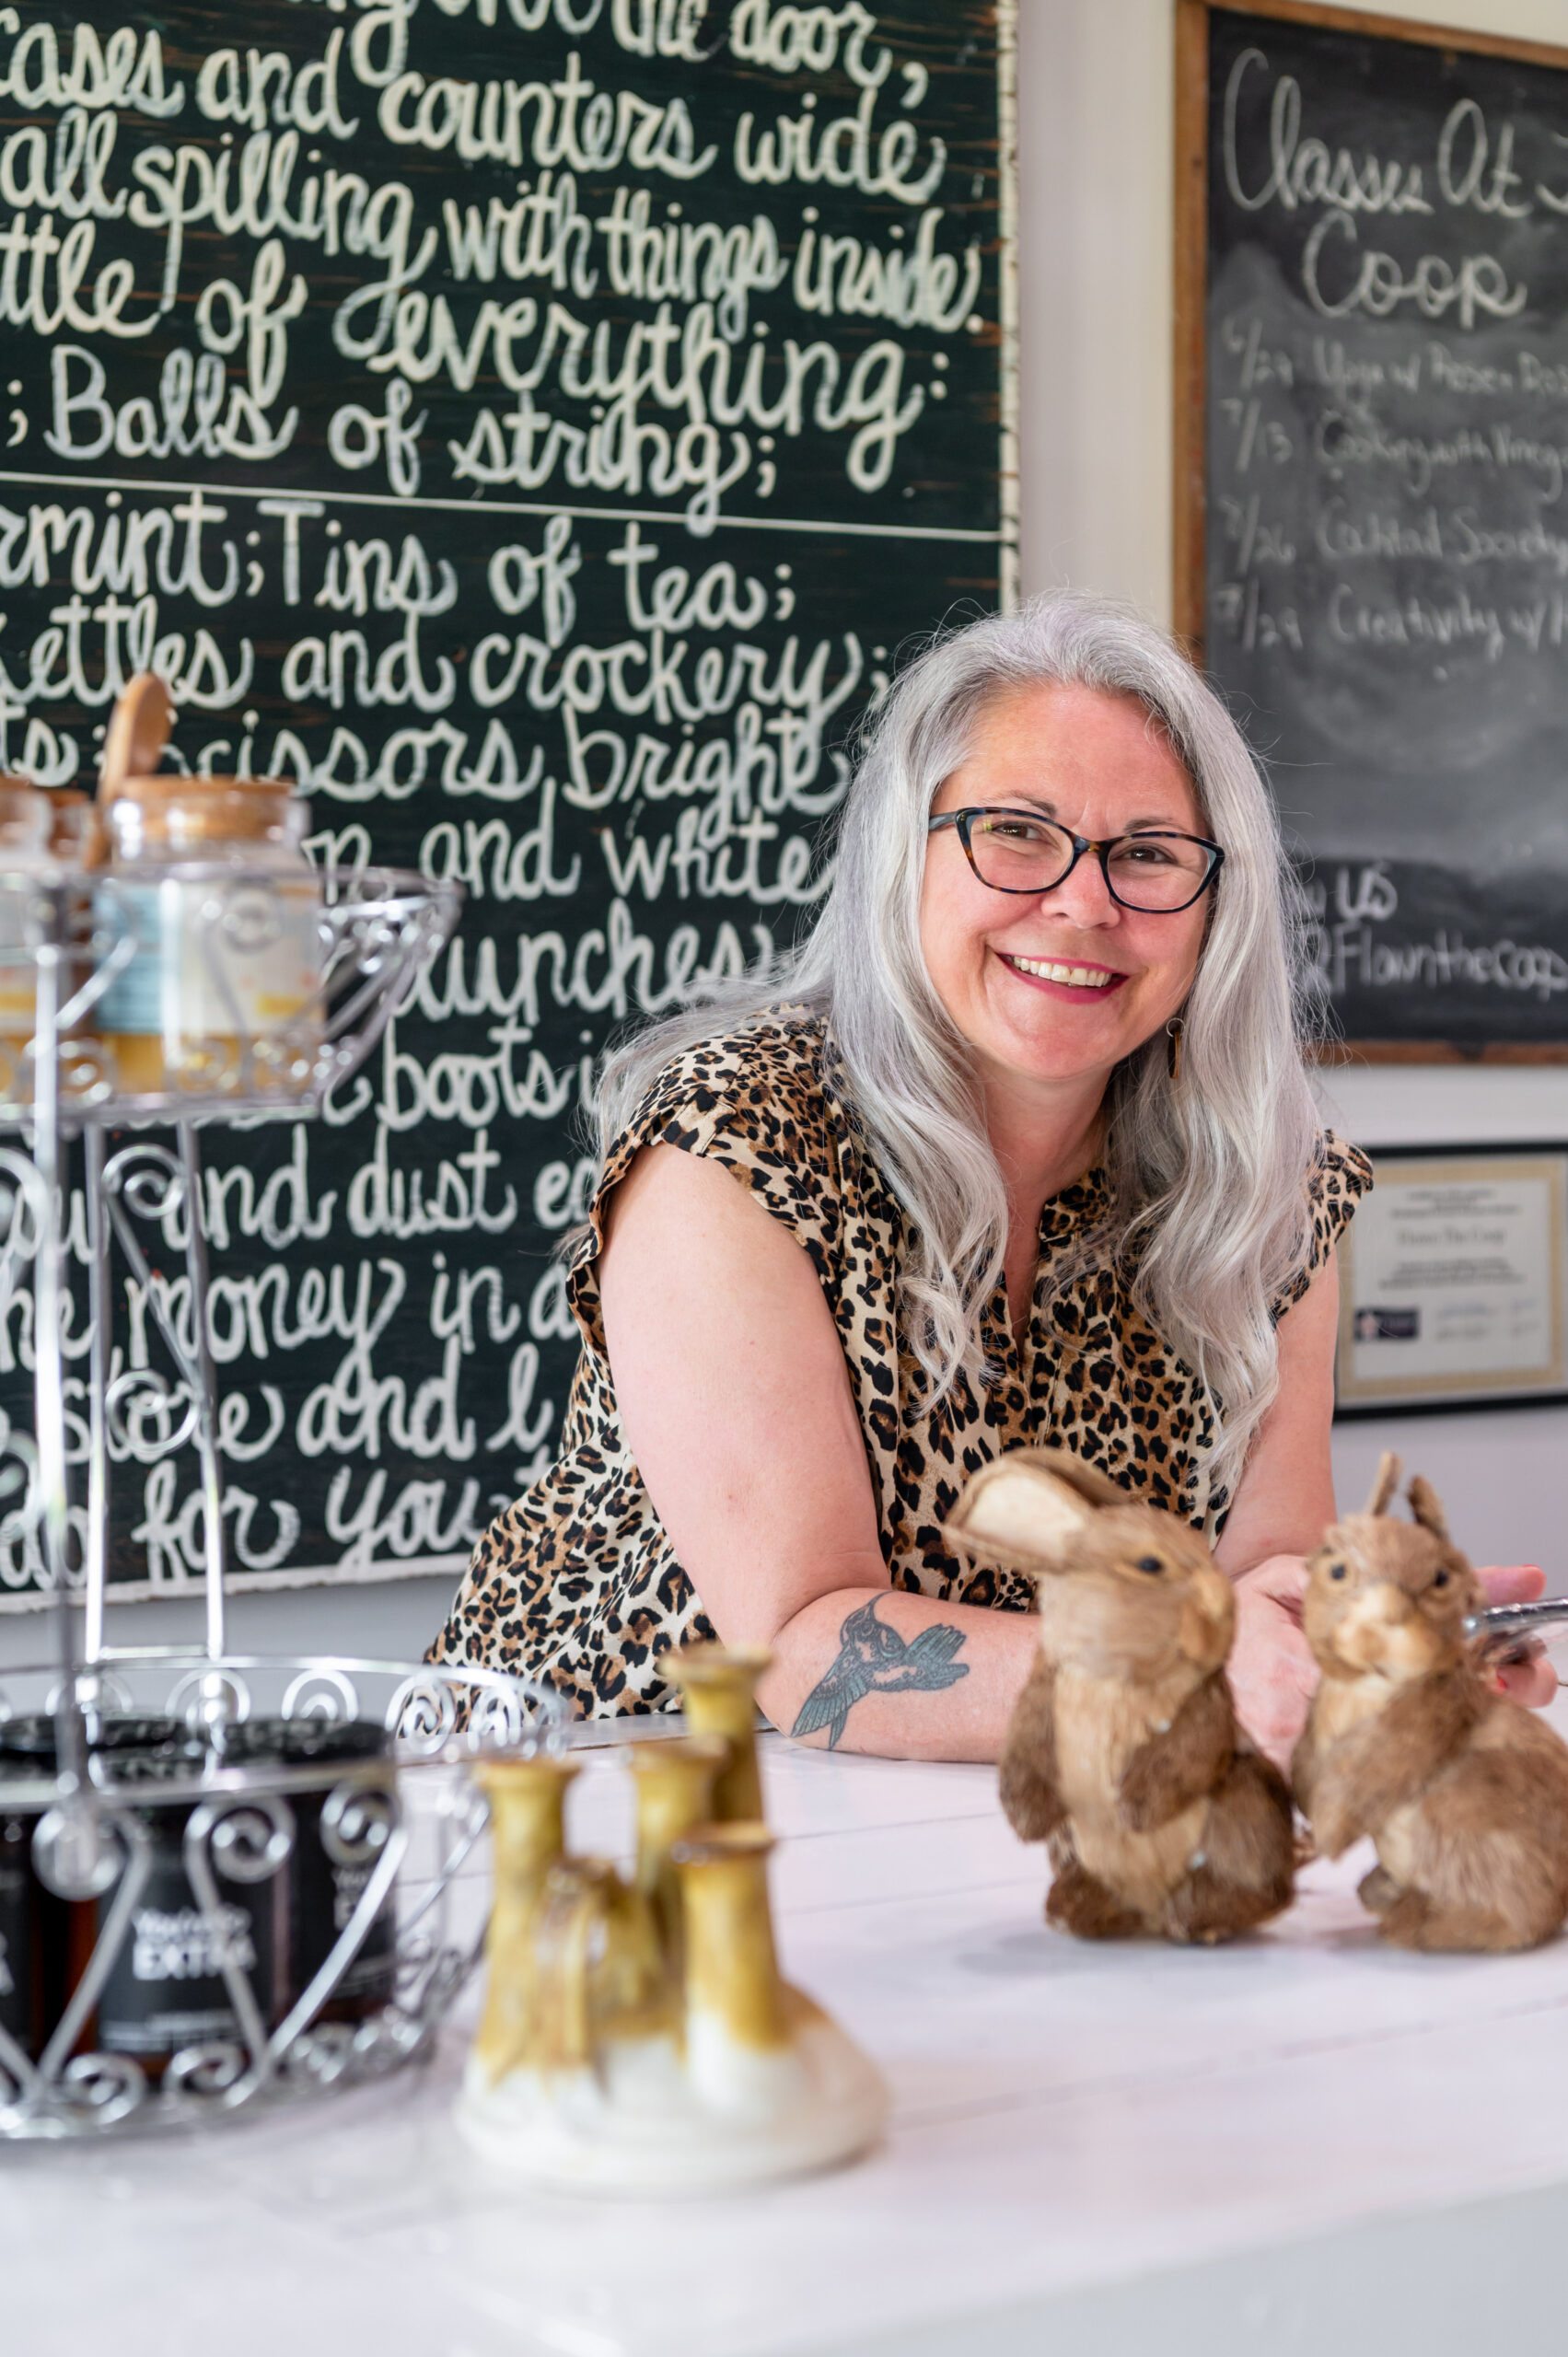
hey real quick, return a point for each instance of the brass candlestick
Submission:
(718, 1687)
(675, 1792)
(528, 1838)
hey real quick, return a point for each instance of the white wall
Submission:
(1096, 168)
(1096, 103)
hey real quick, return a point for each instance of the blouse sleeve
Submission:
(1339, 1177)
(753, 1102)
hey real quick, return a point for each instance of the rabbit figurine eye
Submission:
(1148, 1563)
(1440, 1579)
(1336, 1570)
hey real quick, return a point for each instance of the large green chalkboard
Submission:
(534, 425)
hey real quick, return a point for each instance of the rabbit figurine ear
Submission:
(1025, 1511)
(1425, 1506)
(1388, 1482)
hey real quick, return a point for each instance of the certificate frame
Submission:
(1453, 1282)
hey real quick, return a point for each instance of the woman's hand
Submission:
(1533, 1682)
(1273, 1674)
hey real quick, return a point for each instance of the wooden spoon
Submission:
(138, 732)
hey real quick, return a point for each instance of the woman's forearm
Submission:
(882, 1670)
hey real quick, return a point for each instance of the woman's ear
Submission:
(1020, 1512)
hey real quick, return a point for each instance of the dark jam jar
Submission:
(21, 1930)
(46, 1941)
(165, 1988)
(336, 1851)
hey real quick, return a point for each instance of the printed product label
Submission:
(215, 960)
(326, 1895)
(164, 1988)
(370, 1974)
(191, 1946)
(132, 1000)
(18, 998)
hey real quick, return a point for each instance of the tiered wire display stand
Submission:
(89, 1840)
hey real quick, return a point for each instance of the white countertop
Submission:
(1294, 2125)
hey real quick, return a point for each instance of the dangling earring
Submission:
(1174, 1031)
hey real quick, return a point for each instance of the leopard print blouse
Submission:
(578, 1583)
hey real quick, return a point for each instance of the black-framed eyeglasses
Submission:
(1158, 871)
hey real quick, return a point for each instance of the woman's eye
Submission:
(1143, 855)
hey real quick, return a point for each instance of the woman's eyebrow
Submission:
(1160, 821)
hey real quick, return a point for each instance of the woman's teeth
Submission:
(1082, 978)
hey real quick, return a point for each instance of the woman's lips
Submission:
(1065, 977)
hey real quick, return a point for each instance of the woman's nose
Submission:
(1082, 895)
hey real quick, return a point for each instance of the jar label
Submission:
(215, 958)
(191, 1944)
(326, 1894)
(164, 1988)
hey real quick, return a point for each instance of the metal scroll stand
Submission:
(89, 1843)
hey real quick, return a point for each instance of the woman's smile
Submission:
(1063, 977)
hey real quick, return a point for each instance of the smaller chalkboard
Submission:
(1372, 494)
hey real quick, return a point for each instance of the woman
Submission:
(1027, 1155)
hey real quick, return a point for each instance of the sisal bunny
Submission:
(1465, 1795)
(1123, 1753)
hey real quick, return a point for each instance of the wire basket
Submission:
(277, 1840)
(244, 1932)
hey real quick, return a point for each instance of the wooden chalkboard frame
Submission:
(1190, 364)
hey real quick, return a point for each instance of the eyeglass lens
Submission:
(1016, 853)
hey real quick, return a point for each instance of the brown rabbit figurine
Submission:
(1124, 1753)
(1464, 1793)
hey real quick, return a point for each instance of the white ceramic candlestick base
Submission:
(654, 2120)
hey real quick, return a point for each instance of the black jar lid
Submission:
(32, 1737)
(168, 1765)
(301, 1743)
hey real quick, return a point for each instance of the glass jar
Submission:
(75, 833)
(24, 861)
(21, 1930)
(165, 1988)
(48, 1941)
(223, 995)
(332, 1861)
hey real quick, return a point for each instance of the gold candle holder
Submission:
(638, 2036)
(732, 1966)
(718, 1691)
(528, 1838)
(598, 1972)
(675, 1792)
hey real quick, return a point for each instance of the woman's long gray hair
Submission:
(1209, 1172)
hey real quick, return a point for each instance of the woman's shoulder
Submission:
(1337, 1177)
(780, 1048)
(755, 1097)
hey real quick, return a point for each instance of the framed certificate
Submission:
(1452, 1278)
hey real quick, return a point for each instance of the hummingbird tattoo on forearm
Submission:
(874, 1659)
